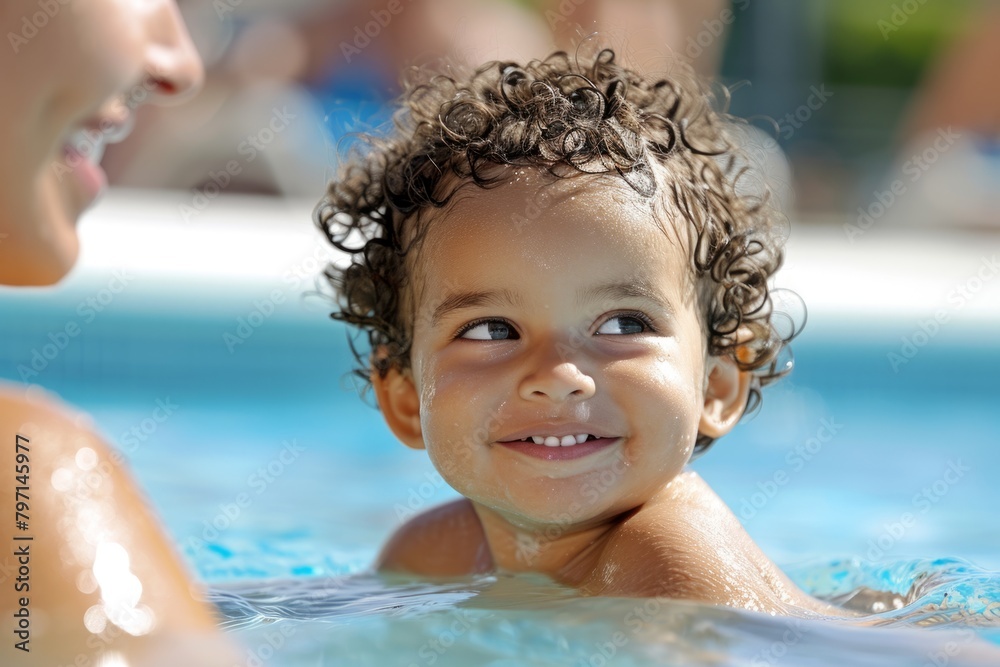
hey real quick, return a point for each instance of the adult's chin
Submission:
(38, 247)
(35, 269)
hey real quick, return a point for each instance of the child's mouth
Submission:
(559, 452)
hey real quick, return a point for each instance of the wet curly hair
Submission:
(563, 114)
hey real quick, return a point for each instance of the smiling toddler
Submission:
(563, 280)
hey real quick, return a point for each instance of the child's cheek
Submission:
(451, 425)
(663, 393)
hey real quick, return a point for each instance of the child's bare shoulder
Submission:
(686, 543)
(446, 540)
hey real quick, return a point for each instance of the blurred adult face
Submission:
(73, 74)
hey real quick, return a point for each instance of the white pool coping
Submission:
(244, 245)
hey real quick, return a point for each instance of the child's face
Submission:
(548, 339)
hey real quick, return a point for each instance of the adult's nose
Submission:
(172, 62)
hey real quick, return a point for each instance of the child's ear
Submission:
(400, 404)
(726, 391)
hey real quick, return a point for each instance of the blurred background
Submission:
(853, 91)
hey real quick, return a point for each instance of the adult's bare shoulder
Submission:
(33, 413)
(446, 540)
(19, 404)
(89, 517)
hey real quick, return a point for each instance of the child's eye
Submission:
(626, 323)
(488, 330)
(621, 324)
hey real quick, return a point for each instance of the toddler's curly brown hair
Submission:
(563, 114)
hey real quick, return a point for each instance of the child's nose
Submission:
(553, 377)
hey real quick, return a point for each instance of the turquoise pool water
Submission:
(279, 485)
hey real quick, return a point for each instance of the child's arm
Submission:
(444, 541)
(78, 504)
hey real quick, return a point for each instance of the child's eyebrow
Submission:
(612, 291)
(473, 299)
(635, 288)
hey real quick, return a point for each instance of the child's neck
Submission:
(565, 553)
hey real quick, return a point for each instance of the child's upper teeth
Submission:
(555, 441)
